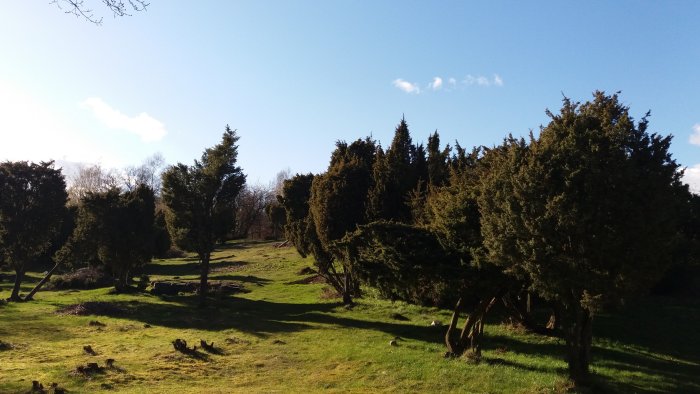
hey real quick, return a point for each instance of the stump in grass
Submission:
(206, 346)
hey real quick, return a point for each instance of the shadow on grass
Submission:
(652, 374)
(189, 268)
(620, 369)
(256, 280)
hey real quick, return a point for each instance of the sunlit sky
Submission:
(295, 76)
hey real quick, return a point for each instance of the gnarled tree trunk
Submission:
(452, 345)
(14, 296)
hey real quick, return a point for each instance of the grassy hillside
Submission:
(284, 337)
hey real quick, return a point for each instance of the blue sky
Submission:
(294, 77)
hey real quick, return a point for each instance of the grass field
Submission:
(283, 337)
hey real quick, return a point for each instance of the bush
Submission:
(83, 278)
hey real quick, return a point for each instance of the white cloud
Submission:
(695, 137)
(143, 125)
(497, 80)
(32, 129)
(406, 86)
(481, 80)
(692, 178)
(436, 84)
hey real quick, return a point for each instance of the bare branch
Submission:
(118, 8)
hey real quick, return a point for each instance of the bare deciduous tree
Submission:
(91, 178)
(118, 7)
(148, 173)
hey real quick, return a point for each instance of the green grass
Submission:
(288, 338)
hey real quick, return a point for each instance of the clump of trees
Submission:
(584, 216)
(116, 229)
(201, 201)
(32, 208)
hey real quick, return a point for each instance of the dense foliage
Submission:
(201, 201)
(115, 228)
(32, 208)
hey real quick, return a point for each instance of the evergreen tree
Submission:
(338, 204)
(588, 216)
(437, 161)
(117, 228)
(32, 208)
(201, 201)
(395, 178)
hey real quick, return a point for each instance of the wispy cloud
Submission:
(481, 80)
(695, 137)
(436, 84)
(408, 87)
(143, 125)
(497, 80)
(692, 178)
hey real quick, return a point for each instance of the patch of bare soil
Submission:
(92, 308)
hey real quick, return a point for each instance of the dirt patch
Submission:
(307, 281)
(93, 308)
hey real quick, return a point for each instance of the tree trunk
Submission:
(203, 284)
(470, 332)
(38, 286)
(120, 281)
(452, 345)
(19, 275)
(578, 343)
(347, 289)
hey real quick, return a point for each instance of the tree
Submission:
(148, 173)
(587, 216)
(250, 208)
(437, 160)
(201, 201)
(395, 174)
(337, 205)
(116, 228)
(161, 237)
(118, 8)
(32, 207)
(91, 179)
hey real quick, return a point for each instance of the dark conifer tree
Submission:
(201, 201)
(32, 208)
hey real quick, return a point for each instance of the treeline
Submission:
(582, 217)
(119, 222)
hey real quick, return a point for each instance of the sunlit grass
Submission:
(283, 337)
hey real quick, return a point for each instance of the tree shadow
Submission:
(263, 318)
(191, 268)
(256, 280)
(677, 376)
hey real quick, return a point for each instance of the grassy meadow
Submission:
(295, 337)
